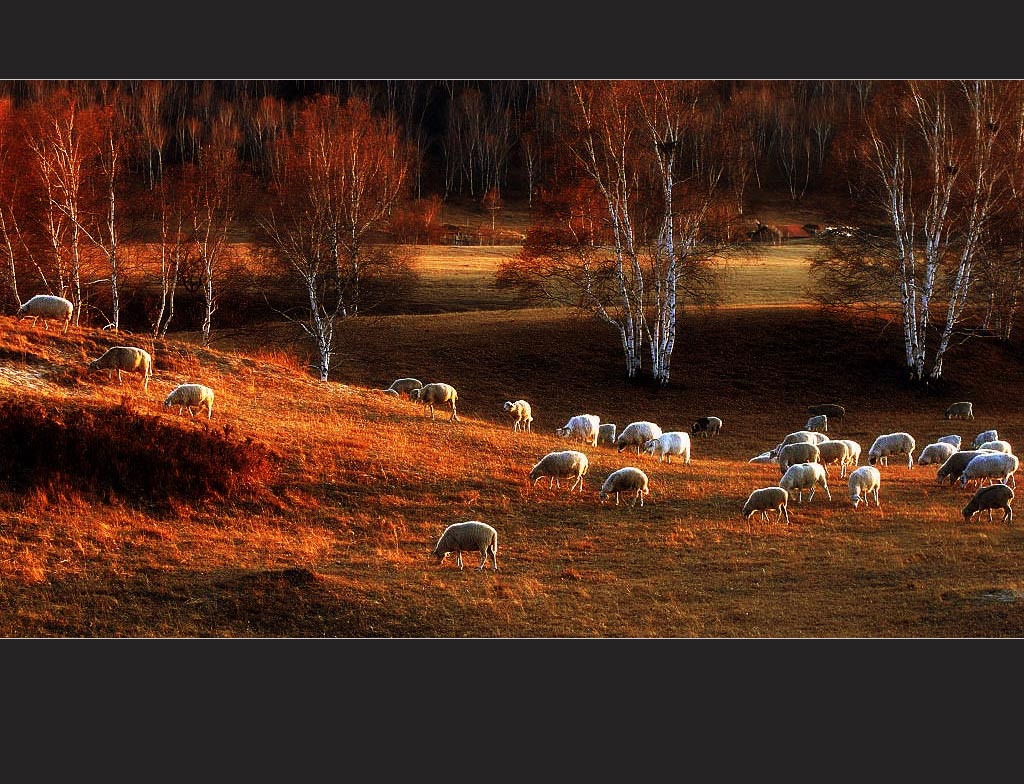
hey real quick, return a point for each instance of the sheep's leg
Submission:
(990, 514)
(825, 485)
(616, 497)
(119, 380)
(1007, 514)
(454, 416)
(494, 556)
(551, 482)
(458, 558)
(784, 513)
(483, 561)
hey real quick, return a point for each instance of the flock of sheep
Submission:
(803, 457)
(119, 359)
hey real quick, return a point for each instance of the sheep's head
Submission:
(650, 446)
(562, 432)
(414, 394)
(508, 405)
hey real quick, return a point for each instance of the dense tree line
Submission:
(164, 205)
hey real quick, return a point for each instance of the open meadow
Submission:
(304, 509)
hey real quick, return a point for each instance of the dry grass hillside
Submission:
(308, 509)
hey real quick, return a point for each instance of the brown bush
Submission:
(116, 452)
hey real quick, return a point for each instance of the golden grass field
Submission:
(331, 538)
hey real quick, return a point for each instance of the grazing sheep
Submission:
(764, 457)
(606, 433)
(983, 436)
(963, 410)
(998, 446)
(817, 424)
(625, 480)
(956, 463)
(864, 482)
(637, 434)
(405, 386)
(436, 394)
(997, 496)
(522, 415)
(891, 445)
(765, 499)
(582, 427)
(935, 454)
(556, 466)
(674, 442)
(831, 410)
(127, 358)
(707, 426)
(805, 476)
(854, 451)
(470, 535)
(801, 452)
(191, 396)
(838, 452)
(801, 436)
(390, 392)
(48, 307)
(992, 465)
(955, 440)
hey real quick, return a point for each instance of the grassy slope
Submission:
(336, 543)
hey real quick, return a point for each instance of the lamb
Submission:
(863, 482)
(556, 466)
(830, 452)
(831, 410)
(405, 386)
(983, 436)
(470, 535)
(802, 452)
(674, 442)
(191, 396)
(706, 426)
(637, 434)
(808, 436)
(954, 440)
(890, 445)
(522, 415)
(997, 496)
(764, 499)
(962, 410)
(992, 465)
(582, 427)
(854, 451)
(764, 457)
(606, 433)
(817, 424)
(956, 463)
(998, 446)
(127, 358)
(805, 476)
(48, 307)
(625, 480)
(935, 454)
(436, 394)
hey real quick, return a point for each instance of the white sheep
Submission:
(998, 445)
(404, 386)
(993, 465)
(983, 436)
(470, 535)
(956, 463)
(606, 433)
(891, 445)
(191, 396)
(955, 440)
(805, 476)
(625, 480)
(436, 394)
(817, 424)
(997, 496)
(837, 452)
(48, 307)
(390, 392)
(764, 457)
(766, 498)
(936, 454)
(556, 466)
(127, 358)
(863, 482)
(582, 427)
(674, 442)
(962, 410)
(800, 452)
(804, 436)
(706, 426)
(637, 434)
(854, 451)
(521, 413)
